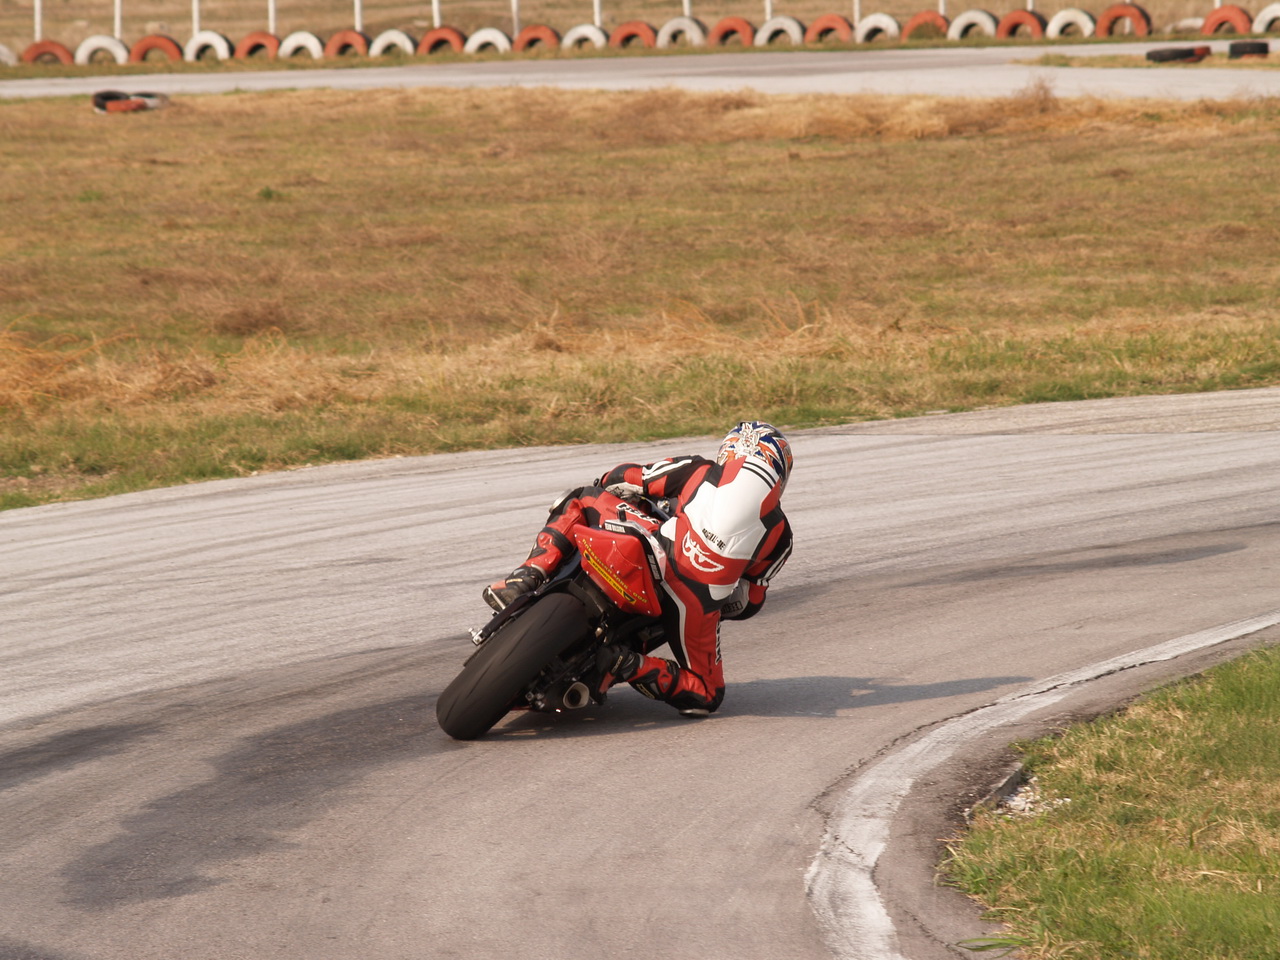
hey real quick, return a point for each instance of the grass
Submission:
(254, 282)
(1168, 844)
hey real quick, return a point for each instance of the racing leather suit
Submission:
(726, 540)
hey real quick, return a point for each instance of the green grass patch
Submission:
(1158, 831)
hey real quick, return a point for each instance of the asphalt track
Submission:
(216, 724)
(950, 71)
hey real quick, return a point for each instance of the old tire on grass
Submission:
(690, 29)
(982, 21)
(101, 43)
(1011, 23)
(393, 39)
(207, 41)
(875, 26)
(441, 37)
(149, 44)
(925, 18)
(1062, 22)
(538, 35)
(45, 51)
(300, 41)
(1248, 48)
(1117, 13)
(255, 41)
(632, 31)
(827, 25)
(488, 37)
(1237, 18)
(788, 27)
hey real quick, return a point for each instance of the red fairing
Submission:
(618, 564)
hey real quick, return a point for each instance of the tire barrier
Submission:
(1011, 23)
(440, 38)
(1062, 22)
(113, 101)
(692, 31)
(207, 41)
(926, 18)
(1137, 18)
(876, 26)
(393, 40)
(101, 44)
(633, 31)
(1229, 15)
(1268, 19)
(170, 47)
(583, 34)
(487, 37)
(44, 51)
(788, 27)
(1072, 21)
(298, 42)
(1248, 48)
(973, 20)
(347, 41)
(827, 25)
(537, 36)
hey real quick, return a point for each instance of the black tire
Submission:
(1248, 48)
(486, 688)
(1170, 54)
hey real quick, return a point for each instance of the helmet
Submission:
(757, 440)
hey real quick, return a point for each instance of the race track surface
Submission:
(946, 71)
(216, 714)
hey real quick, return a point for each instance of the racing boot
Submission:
(615, 664)
(521, 580)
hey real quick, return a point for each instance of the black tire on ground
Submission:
(1248, 48)
(487, 686)
(1169, 54)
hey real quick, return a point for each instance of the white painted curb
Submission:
(840, 881)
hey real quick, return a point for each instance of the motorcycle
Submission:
(539, 653)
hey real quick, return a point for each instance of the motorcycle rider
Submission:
(726, 540)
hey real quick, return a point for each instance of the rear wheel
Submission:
(509, 660)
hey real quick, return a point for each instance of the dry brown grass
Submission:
(293, 277)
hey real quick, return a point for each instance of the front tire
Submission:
(507, 663)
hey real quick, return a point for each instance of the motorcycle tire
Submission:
(508, 662)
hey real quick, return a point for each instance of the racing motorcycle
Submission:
(539, 653)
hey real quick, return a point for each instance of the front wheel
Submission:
(507, 663)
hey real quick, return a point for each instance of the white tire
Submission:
(979, 20)
(300, 40)
(693, 31)
(583, 34)
(1267, 18)
(91, 45)
(792, 28)
(392, 40)
(7, 56)
(488, 37)
(207, 40)
(877, 23)
(1070, 17)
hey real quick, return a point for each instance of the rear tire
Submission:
(508, 661)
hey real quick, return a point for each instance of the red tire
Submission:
(258, 40)
(1140, 19)
(718, 35)
(156, 41)
(1237, 18)
(44, 49)
(634, 30)
(345, 40)
(433, 40)
(826, 24)
(1011, 23)
(926, 18)
(540, 36)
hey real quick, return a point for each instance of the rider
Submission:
(727, 538)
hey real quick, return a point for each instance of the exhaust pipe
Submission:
(577, 696)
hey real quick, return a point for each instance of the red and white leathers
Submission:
(727, 537)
